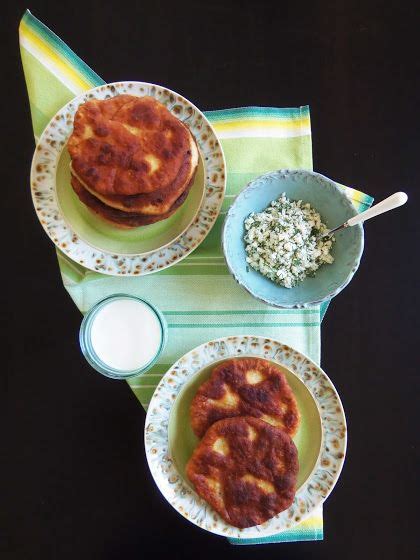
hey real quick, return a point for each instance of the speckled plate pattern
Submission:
(100, 259)
(321, 475)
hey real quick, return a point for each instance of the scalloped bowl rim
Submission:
(303, 304)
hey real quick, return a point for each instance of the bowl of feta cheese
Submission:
(272, 239)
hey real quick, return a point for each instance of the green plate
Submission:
(138, 241)
(321, 439)
(308, 439)
(99, 246)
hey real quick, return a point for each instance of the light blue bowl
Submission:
(329, 200)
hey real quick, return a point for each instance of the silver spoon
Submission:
(393, 201)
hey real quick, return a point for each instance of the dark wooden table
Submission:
(78, 485)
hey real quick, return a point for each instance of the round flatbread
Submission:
(122, 220)
(245, 387)
(128, 145)
(245, 469)
(153, 203)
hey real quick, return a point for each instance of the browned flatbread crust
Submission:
(245, 469)
(153, 203)
(129, 145)
(245, 387)
(123, 220)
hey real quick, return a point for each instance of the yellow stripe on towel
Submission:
(55, 63)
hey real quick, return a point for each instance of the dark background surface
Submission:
(78, 484)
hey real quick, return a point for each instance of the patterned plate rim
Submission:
(315, 489)
(44, 197)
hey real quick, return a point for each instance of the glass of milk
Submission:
(122, 336)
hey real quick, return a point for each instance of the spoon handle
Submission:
(393, 201)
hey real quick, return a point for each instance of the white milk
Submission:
(126, 334)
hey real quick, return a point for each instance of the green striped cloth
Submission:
(201, 301)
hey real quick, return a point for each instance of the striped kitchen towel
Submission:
(198, 297)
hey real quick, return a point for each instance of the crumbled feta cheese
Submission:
(281, 242)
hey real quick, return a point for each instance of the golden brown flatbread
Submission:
(123, 220)
(129, 145)
(153, 203)
(245, 469)
(245, 387)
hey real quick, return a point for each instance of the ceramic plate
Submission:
(94, 243)
(321, 438)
